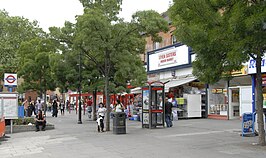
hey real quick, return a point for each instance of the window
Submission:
(156, 45)
(173, 39)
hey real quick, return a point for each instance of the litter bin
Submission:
(119, 123)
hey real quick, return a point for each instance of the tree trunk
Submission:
(94, 117)
(45, 102)
(106, 88)
(259, 105)
(106, 91)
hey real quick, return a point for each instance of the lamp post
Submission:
(79, 114)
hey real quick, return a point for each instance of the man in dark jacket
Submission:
(55, 108)
(168, 112)
(40, 120)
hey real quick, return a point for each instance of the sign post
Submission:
(10, 81)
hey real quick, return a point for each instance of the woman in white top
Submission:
(119, 107)
(102, 110)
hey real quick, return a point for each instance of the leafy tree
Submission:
(13, 31)
(110, 44)
(223, 34)
(35, 68)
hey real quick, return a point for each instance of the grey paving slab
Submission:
(190, 138)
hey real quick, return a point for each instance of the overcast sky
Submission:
(56, 12)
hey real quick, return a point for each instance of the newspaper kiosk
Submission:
(152, 105)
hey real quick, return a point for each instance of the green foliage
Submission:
(24, 121)
(13, 31)
(222, 33)
(109, 44)
(35, 56)
(108, 47)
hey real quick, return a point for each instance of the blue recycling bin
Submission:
(21, 111)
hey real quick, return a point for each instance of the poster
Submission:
(247, 123)
(9, 101)
(10, 108)
(145, 118)
(145, 99)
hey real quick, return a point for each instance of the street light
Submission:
(79, 114)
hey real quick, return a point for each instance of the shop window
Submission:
(218, 103)
(235, 96)
(264, 97)
(173, 37)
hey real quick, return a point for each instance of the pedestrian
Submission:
(55, 110)
(26, 106)
(89, 107)
(49, 106)
(62, 107)
(102, 110)
(101, 114)
(31, 108)
(68, 105)
(40, 120)
(119, 106)
(39, 105)
(168, 112)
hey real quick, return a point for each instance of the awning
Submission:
(135, 90)
(178, 82)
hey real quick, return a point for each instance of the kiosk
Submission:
(152, 105)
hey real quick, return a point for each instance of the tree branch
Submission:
(93, 59)
(252, 56)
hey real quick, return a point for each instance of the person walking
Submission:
(68, 106)
(89, 107)
(55, 110)
(168, 112)
(62, 107)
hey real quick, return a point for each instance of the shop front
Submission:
(229, 99)
(252, 72)
(172, 66)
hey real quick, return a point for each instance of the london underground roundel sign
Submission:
(10, 79)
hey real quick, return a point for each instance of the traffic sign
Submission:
(10, 80)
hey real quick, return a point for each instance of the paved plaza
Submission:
(192, 138)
